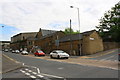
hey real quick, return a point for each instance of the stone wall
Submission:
(111, 45)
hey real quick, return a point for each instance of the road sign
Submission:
(57, 42)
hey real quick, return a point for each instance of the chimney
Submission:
(40, 30)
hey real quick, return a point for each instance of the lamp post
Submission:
(70, 38)
(79, 28)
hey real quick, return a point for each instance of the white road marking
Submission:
(28, 70)
(32, 76)
(60, 68)
(34, 72)
(40, 76)
(51, 75)
(27, 74)
(38, 70)
(22, 71)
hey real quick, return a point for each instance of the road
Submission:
(111, 55)
(55, 69)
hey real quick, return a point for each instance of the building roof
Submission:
(26, 33)
(46, 32)
(4, 41)
(71, 37)
(87, 33)
(49, 35)
(75, 36)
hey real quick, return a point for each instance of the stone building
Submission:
(37, 41)
(81, 44)
(4, 44)
(48, 40)
(20, 40)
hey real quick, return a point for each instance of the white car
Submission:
(17, 51)
(24, 52)
(6, 50)
(13, 51)
(59, 54)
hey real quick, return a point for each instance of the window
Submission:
(23, 37)
(30, 42)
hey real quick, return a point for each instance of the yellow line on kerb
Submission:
(9, 58)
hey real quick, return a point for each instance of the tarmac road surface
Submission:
(55, 69)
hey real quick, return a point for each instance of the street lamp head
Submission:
(71, 6)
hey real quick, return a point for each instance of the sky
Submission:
(19, 16)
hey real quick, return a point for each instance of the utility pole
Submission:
(70, 38)
(79, 47)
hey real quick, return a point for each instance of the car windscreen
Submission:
(60, 51)
(40, 51)
(24, 51)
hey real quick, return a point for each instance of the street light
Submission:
(78, 16)
(78, 26)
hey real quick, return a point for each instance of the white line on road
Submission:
(34, 73)
(22, 71)
(51, 75)
(27, 74)
(32, 76)
(28, 70)
(38, 70)
(40, 76)
(41, 73)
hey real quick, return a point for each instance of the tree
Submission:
(67, 31)
(109, 26)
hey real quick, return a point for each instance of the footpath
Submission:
(9, 64)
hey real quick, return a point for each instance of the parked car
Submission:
(2, 49)
(39, 53)
(24, 52)
(6, 50)
(17, 51)
(59, 54)
(13, 51)
(10, 49)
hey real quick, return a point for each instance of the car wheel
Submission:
(66, 57)
(58, 56)
(51, 56)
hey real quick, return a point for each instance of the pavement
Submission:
(9, 64)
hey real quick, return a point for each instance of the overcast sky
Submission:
(30, 15)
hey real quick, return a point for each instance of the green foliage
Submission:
(67, 31)
(110, 24)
